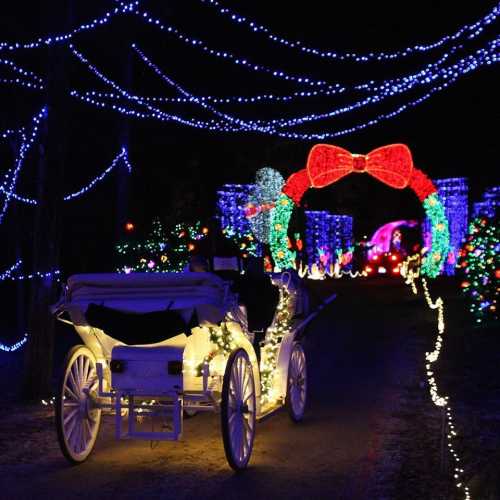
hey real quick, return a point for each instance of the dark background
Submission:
(178, 169)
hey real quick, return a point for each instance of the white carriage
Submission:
(211, 367)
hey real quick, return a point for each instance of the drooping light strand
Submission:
(385, 90)
(154, 112)
(123, 8)
(224, 127)
(468, 31)
(431, 358)
(36, 275)
(14, 347)
(21, 83)
(242, 61)
(9, 183)
(121, 157)
(11, 274)
(7, 274)
(18, 69)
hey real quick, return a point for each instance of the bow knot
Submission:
(391, 164)
(359, 163)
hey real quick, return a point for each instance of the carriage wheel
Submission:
(296, 394)
(238, 410)
(77, 417)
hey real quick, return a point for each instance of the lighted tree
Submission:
(162, 250)
(480, 264)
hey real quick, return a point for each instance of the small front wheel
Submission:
(296, 394)
(77, 416)
(238, 410)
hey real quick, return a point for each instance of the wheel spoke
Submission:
(71, 394)
(71, 414)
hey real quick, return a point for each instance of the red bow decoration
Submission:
(391, 164)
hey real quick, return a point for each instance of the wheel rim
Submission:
(297, 381)
(241, 410)
(79, 415)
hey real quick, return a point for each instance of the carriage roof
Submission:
(149, 292)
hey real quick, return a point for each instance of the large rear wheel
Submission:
(238, 410)
(77, 416)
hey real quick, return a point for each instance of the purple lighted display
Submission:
(382, 238)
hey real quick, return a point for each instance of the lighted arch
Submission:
(392, 165)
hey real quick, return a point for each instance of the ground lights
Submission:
(410, 271)
(392, 165)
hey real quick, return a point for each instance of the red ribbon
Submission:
(393, 165)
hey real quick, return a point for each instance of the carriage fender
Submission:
(281, 372)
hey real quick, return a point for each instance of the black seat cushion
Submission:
(134, 329)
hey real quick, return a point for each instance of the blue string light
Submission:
(21, 83)
(65, 37)
(121, 157)
(241, 61)
(451, 74)
(14, 347)
(468, 31)
(7, 274)
(10, 180)
(17, 69)
(154, 112)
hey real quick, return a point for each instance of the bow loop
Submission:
(391, 164)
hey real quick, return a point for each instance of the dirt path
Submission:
(362, 358)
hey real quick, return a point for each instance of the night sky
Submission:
(178, 169)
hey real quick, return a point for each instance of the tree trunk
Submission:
(48, 217)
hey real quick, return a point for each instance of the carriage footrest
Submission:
(166, 417)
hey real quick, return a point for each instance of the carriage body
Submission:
(189, 372)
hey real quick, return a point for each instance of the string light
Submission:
(8, 273)
(241, 61)
(10, 180)
(65, 37)
(489, 203)
(36, 275)
(391, 164)
(440, 235)
(121, 157)
(245, 126)
(387, 89)
(18, 69)
(480, 265)
(154, 112)
(161, 251)
(468, 31)
(453, 193)
(282, 325)
(14, 347)
(432, 357)
(261, 202)
(231, 202)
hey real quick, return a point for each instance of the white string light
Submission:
(410, 273)
(468, 31)
(65, 37)
(14, 347)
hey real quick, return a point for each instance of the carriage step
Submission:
(140, 412)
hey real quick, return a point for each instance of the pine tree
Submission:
(480, 264)
(161, 251)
